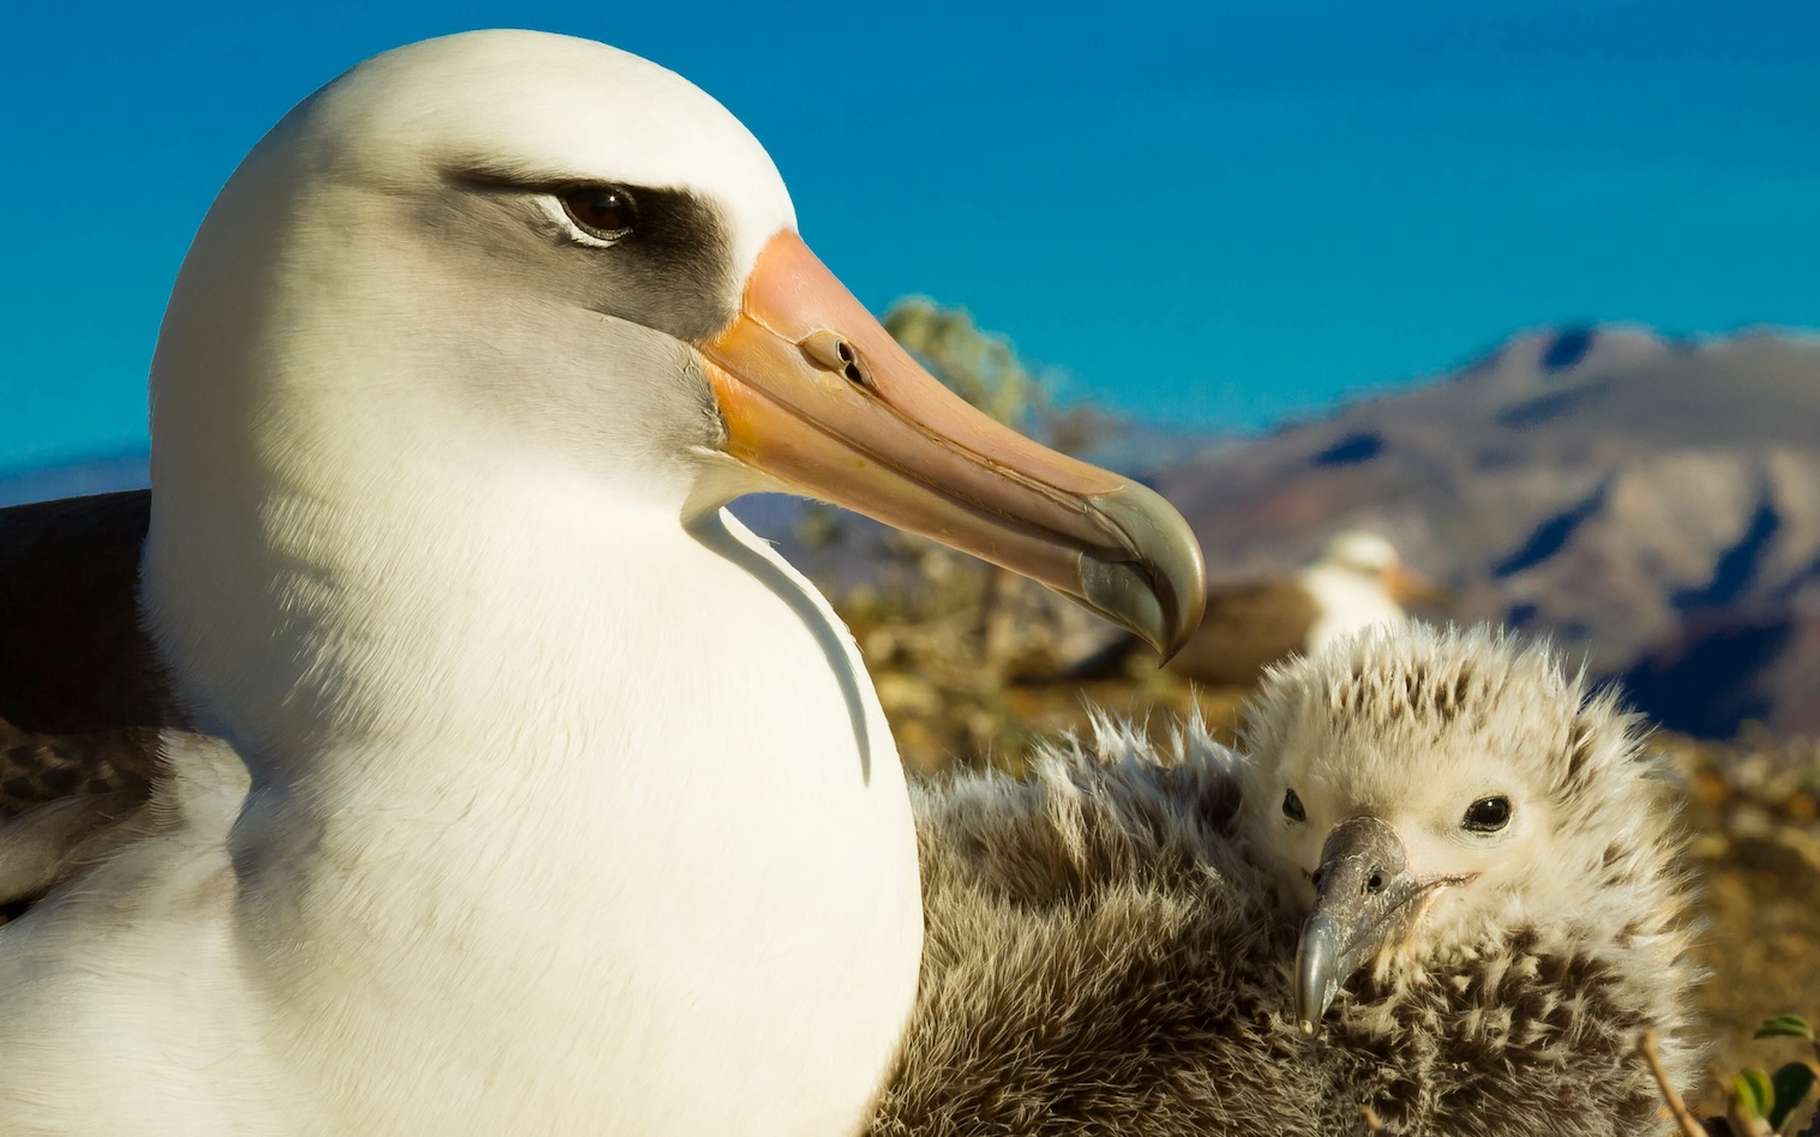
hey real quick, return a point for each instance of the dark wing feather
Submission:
(82, 699)
(1248, 627)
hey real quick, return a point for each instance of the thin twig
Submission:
(1690, 1126)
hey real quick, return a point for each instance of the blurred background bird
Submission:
(1359, 581)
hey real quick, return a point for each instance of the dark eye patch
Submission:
(671, 268)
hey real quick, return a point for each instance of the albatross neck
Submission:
(507, 621)
(616, 776)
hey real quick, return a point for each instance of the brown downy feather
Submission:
(1105, 955)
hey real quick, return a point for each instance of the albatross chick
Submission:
(1477, 856)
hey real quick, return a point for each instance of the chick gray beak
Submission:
(1363, 891)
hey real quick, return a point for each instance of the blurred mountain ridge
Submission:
(1650, 503)
(75, 479)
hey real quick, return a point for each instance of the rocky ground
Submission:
(948, 657)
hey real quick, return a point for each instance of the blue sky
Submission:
(1213, 214)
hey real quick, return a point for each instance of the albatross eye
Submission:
(1488, 814)
(605, 213)
(1292, 807)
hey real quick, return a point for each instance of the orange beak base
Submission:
(1412, 589)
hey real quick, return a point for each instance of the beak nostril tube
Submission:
(830, 352)
(849, 358)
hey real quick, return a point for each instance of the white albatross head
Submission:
(1363, 552)
(512, 254)
(1368, 558)
(1417, 790)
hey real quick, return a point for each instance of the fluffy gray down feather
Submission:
(1105, 956)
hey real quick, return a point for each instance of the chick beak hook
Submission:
(1363, 889)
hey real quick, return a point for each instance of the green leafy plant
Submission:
(977, 365)
(1758, 1103)
(1774, 1098)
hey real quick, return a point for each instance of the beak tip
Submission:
(1164, 594)
(1187, 622)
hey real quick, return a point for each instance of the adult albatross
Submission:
(525, 791)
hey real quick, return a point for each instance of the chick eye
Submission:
(1292, 807)
(605, 213)
(1487, 815)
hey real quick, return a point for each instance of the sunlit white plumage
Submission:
(418, 526)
